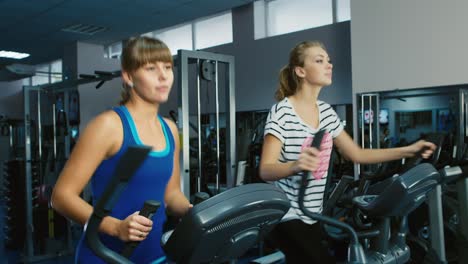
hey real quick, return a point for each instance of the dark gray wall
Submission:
(90, 57)
(258, 62)
(11, 99)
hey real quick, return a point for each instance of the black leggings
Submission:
(300, 242)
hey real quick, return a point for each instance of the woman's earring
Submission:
(130, 84)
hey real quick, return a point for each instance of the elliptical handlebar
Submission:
(128, 164)
(452, 173)
(355, 251)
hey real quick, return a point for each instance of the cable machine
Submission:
(368, 126)
(51, 119)
(207, 99)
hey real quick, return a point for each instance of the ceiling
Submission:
(35, 26)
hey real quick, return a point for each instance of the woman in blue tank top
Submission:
(147, 79)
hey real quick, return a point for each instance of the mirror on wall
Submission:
(412, 113)
(404, 116)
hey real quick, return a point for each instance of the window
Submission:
(27, 81)
(113, 51)
(260, 26)
(204, 29)
(45, 74)
(42, 75)
(176, 38)
(56, 71)
(343, 10)
(197, 34)
(306, 14)
(276, 17)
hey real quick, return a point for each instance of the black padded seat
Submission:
(404, 194)
(225, 226)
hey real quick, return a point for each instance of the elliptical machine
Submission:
(444, 237)
(216, 230)
(402, 195)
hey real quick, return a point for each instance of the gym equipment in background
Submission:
(48, 138)
(207, 99)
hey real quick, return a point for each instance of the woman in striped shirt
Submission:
(290, 126)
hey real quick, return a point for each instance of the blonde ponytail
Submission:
(287, 83)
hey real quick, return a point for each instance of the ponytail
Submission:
(288, 83)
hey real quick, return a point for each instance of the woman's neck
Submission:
(306, 94)
(304, 103)
(143, 110)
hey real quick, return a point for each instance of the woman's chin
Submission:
(162, 100)
(158, 101)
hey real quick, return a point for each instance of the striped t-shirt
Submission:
(283, 123)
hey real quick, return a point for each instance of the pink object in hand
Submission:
(324, 155)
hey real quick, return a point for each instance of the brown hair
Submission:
(138, 52)
(288, 80)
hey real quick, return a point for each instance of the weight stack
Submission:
(14, 204)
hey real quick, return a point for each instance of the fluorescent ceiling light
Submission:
(13, 54)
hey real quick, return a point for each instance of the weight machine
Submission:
(55, 104)
(210, 113)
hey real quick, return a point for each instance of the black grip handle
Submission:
(317, 141)
(149, 209)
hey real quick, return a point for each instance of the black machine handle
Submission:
(149, 209)
(452, 173)
(127, 166)
(436, 138)
(355, 250)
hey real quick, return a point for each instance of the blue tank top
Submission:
(148, 183)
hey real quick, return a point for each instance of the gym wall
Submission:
(408, 44)
(94, 101)
(258, 63)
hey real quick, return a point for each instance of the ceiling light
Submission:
(13, 54)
